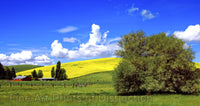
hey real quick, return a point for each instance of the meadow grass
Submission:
(100, 92)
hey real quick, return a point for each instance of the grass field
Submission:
(90, 84)
(19, 68)
(79, 68)
(99, 92)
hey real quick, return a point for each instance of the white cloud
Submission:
(146, 14)
(192, 33)
(67, 29)
(43, 60)
(70, 40)
(3, 57)
(132, 10)
(58, 50)
(95, 47)
(114, 39)
(23, 56)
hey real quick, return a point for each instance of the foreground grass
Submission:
(80, 68)
(99, 91)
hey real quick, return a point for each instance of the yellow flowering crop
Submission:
(79, 68)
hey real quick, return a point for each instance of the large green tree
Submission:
(156, 63)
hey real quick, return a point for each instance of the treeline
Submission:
(6, 73)
(58, 74)
(36, 75)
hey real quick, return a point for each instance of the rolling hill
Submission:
(79, 68)
(19, 68)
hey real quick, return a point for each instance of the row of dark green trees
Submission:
(6, 73)
(58, 74)
(36, 75)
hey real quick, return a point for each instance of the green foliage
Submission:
(154, 64)
(52, 72)
(2, 73)
(19, 68)
(34, 74)
(58, 69)
(60, 73)
(40, 74)
(63, 75)
(7, 73)
(13, 74)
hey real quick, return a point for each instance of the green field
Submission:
(19, 68)
(99, 91)
(92, 86)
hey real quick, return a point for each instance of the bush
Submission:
(154, 64)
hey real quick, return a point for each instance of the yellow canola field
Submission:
(79, 68)
(197, 65)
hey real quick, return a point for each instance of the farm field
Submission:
(99, 91)
(197, 65)
(19, 68)
(79, 68)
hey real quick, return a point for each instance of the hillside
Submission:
(19, 68)
(79, 68)
(197, 65)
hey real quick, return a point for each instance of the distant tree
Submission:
(7, 73)
(2, 72)
(58, 70)
(40, 74)
(34, 74)
(13, 74)
(152, 64)
(52, 72)
(63, 75)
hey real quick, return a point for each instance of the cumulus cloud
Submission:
(43, 60)
(192, 33)
(146, 14)
(132, 10)
(3, 57)
(58, 50)
(70, 40)
(24, 57)
(95, 47)
(20, 57)
(67, 29)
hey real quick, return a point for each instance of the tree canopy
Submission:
(156, 63)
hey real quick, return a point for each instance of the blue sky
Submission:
(45, 31)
